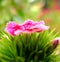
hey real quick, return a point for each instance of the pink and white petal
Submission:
(43, 27)
(17, 32)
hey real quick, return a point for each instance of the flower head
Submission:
(31, 26)
(12, 28)
(28, 27)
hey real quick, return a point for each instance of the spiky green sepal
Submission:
(35, 47)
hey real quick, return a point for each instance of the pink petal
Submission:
(12, 27)
(11, 24)
(29, 22)
(10, 31)
(17, 32)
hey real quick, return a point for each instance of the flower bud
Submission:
(55, 42)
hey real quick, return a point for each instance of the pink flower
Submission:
(28, 27)
(13, 28)
(31, 26)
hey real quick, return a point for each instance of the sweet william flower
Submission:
(28, 27)
(13, 29)
(31, 26)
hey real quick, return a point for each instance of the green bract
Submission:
(35, 47)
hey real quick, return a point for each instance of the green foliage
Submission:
(35, 47)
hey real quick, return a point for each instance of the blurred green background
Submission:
(21, 10)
